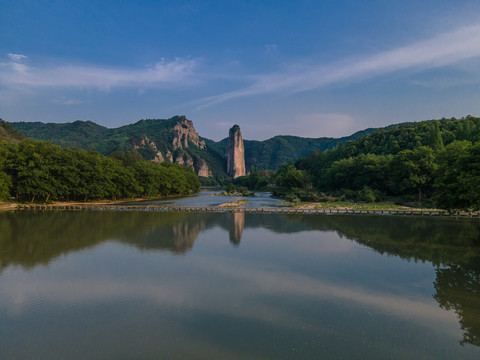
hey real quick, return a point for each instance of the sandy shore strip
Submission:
(234, 203)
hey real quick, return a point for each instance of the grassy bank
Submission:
(348, 205)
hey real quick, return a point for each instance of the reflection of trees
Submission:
(458, 288)
(436, 240)
(32, 238)
(453, 246)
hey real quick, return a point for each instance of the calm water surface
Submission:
(213, 198)
(146, 285)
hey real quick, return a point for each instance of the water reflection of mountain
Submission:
(30, 238)
(453, 246)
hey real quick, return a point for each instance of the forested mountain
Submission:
(176, 140)
(437, 159)
(270, 154)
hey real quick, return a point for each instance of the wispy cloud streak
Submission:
(17, 57)
(444, 49)
(17, 74)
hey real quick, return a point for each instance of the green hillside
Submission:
(264, 155)
(88, 135)
(437, 161)
(147, 136)
(8, 133)
(270, 154)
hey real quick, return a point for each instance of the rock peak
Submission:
(183, 132)
(235, 153)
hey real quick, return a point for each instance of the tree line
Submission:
(437, 161)
(39, 171)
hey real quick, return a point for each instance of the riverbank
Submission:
(337, 205)
(10, 206)
(5, 206)
(348, 205)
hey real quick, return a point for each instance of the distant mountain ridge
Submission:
(176, 140)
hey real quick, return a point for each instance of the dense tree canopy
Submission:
(8, 133)
(438, 159)
(39, 171)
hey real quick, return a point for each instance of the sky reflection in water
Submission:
(234, 286)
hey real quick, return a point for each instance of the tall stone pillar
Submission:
(235, 153)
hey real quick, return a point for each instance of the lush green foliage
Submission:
(90, 136)
(264, 155)
(8, 133)
(439, 159)
(255, 180)
(457, 182)
(40, 171)
(272, 153)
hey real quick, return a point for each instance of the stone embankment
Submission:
(258, 210)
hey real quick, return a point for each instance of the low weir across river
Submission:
(231, 209)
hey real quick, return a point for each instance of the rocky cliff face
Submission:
(183, 132)
(201, 168)
(235, 153)
(182, 135)
(146, 143)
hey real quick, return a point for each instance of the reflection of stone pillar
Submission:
(236, 223)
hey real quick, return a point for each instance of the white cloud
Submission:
(20, 291)
(17, 57)
(160, 74)
(441, 50)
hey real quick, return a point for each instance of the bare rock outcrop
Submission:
(145, 143)
(201, 167)
(173, 146)
(183, 132)
(235, 153)
(183, 159)
(158, 157)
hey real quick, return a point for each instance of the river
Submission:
(151, 285)
(208, 197)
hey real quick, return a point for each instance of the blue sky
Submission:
(307, 68)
